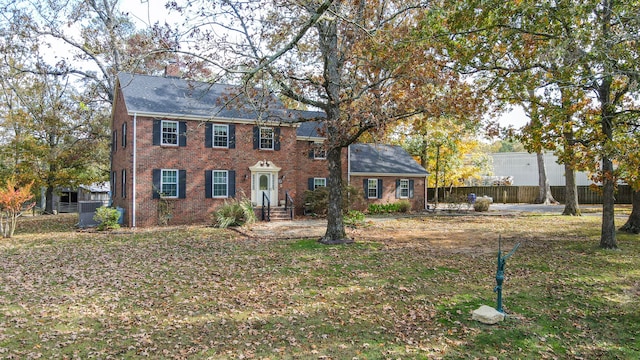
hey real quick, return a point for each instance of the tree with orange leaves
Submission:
(13, 200)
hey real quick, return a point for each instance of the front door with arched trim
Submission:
(264, 175)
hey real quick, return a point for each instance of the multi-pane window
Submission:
(372, 188)
(404, 188)
(169, 132)
(319, 182)
(319, 153)
(169, 183)
(220, 136)
(266, 138)
(220, 183)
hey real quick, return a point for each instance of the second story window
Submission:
(266, 138)
(220, 136)
(169, 132)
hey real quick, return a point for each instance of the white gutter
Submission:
(133, 190)
(216, 119)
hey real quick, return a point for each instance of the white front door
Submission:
(264, 188)
(264, 181)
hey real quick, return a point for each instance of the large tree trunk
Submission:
(335, 233)
(608, 234)
(607, 113)
(544, 189)
(571, 206)
(633, 223)
(48, 208)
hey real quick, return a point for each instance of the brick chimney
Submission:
(172, 70)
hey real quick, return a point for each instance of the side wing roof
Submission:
(378, 159)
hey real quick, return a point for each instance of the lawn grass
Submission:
(199, 292)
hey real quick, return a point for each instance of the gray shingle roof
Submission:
(312, 129)
(383, 159)
(170, 96)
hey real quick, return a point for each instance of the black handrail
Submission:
(288, 204)
(268, 202)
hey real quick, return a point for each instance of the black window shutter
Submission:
(411, 182)
(310, 184)
(124, 135)
(398, 194)
(114, 177)
(182, 184)
(311, 154)
(123, 183)
(256, 137)
(365, 183)
(232, 183)
(232, 136)
(208, 190)
(114, 141)
(276, 139)
(157, 173)
(379, 188)
(182, 133)
(208, 135)
(156, 131)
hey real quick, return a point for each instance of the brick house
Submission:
(183, 139)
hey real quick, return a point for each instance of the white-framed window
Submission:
(169, 183)
(220, 183)
(220, 135)
(266, 138)
(319, 153)
(169, 132)
(372, 188)
(319, 182)
(404, 188)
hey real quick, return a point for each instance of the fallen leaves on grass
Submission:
(405, 290)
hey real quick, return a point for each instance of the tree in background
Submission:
(69, 54)
(57, 140)
(578, 50)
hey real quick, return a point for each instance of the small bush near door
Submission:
(234, 213)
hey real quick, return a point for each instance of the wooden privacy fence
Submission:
(528, 194)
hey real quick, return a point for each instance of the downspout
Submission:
(133, 190)
(426, 188)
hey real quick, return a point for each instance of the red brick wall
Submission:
(122, 157)
(195, 159)
(389, 191)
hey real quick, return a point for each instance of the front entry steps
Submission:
(277, 214)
